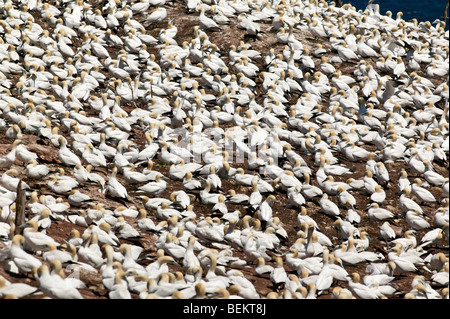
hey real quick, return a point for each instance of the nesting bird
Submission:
(206, 150)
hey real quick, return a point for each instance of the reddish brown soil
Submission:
(60, 230)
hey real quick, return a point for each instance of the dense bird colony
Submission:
(222, 149)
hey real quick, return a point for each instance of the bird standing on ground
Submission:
(65, 155)
(114, 188)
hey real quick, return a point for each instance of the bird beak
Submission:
(174, 263)
(25, 225)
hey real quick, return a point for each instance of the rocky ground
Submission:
(229, 35)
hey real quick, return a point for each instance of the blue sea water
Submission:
(422, 10)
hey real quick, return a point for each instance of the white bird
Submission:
(262, 269)
(207, 23)
(379, 195)
(190, 184)
(423, 289)
(345, 228)
(308, 190)
(408, 239)
(278, 275)
(189, 258)
(36, 171)
(214, 180)
(23, 154)
(124, 230)
(416, 221)
(432, 237)
(10, 180)
(354, 153)
(242, 178)
(330, 186)
(164, 212)
(235, 198)
(60, 186)
(440, 217)
(114, 188)
(212, 278)
(157, 15)
(89, 255)
(287, 180)
(407, 203)
(7, 160)
(63, 256)
(18, 289)
(129, 262)
(206, 197)
(403, 181)
(349, 255)
(14, 258)
(345, 197)
(109, 267)
(209, 229)
(328, 207)
(361, 290)
(160, 265)
(54, 286)
(34, 239)
(120, 288)
(381, 173)
(295, 197)
(415, 163)
(325, 278)
(420, 192)
(166, 156)
(264, 212)
(312, 246)
(402, 264)
(78, 198)
(341, 293)
(220, 207)
(145, 223)
(154, 188)
(66, 155)
(134, 177)
(304, 218)
(440, 278)
(387, 232)
(93, 156)
(431, 176)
